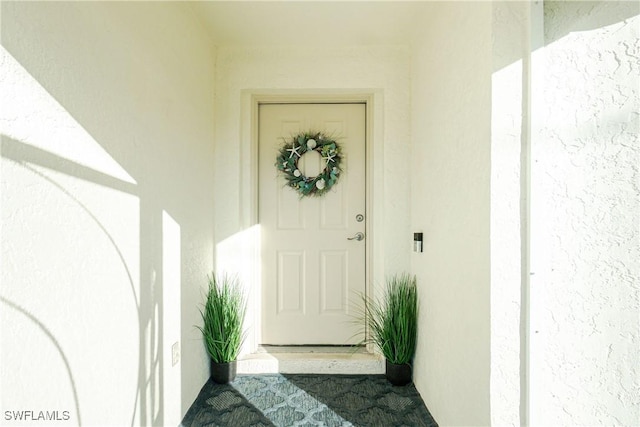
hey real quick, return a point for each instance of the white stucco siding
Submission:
(586, 217)
(450, 203)
(107, 213)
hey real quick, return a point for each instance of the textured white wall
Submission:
(107, 213)
(585, 294)
(450, 194)
(386, 69)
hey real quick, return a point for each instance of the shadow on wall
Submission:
(106, 209)
(578, 79)
(585, 212)
(66, 414)
(580, 16)
(567, 17)
(82, 275)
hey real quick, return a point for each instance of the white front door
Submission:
(312, 275)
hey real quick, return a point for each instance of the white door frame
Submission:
(248, 208)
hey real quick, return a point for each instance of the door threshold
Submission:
(273, 349)
(339, 360)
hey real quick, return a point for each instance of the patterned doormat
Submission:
(308, 400)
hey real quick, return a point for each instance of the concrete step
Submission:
(311, 360)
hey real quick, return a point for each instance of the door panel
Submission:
(291, 282)
(311, 272)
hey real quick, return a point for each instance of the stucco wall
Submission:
(107, 212)
(585, 295)
(384, 70)
(450, 195)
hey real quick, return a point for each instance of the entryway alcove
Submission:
(327, 353)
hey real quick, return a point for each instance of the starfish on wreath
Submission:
(330, 158)
(294, 150)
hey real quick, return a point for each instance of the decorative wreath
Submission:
(292, 151)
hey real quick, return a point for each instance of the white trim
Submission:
(533, 93)
(373, 99)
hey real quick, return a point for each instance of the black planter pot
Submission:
(223, 373)
(398, 374)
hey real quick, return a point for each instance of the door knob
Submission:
(359, 236)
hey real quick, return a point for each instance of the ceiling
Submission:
(311, 23)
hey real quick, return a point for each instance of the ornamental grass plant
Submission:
(392, 320)
(223, 317)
